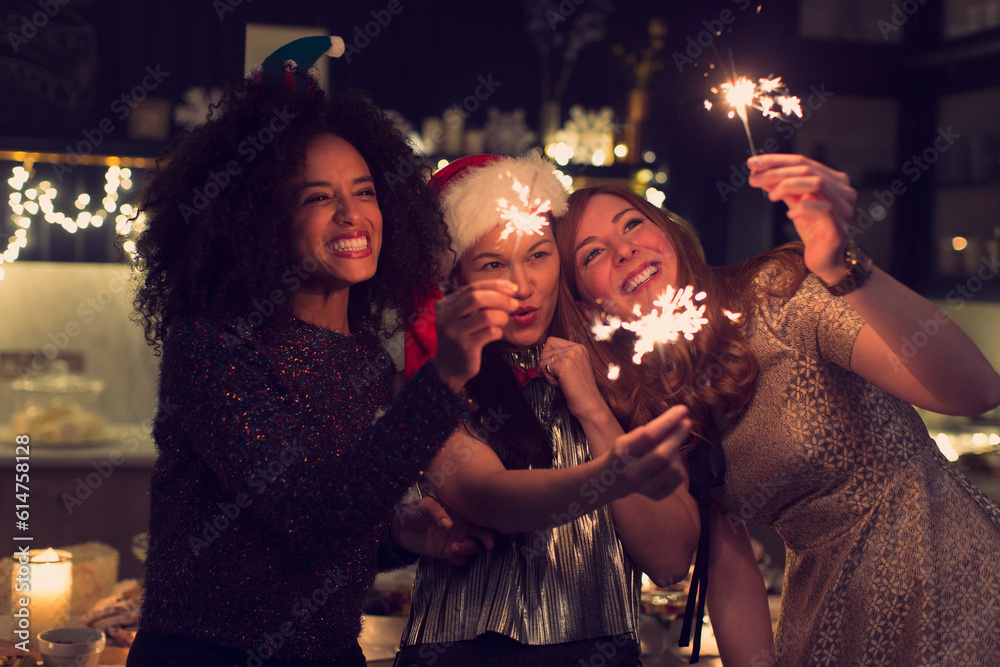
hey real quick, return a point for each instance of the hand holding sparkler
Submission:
(820, 203)
(467, 320)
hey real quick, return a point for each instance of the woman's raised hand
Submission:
(566, 365)
(647, 458)
(820, 203)
(468, 320)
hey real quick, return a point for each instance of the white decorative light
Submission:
(655, 197)
(40, 199)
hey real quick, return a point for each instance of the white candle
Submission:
(50, 577)
(434, 132)
(454, 131)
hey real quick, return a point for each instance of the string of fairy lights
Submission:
(32, 202)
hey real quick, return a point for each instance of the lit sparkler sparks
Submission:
(742, 93)
(733, 317)
(675, 315)
(605, 330)
(524, 216)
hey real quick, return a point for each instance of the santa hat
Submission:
(470, 188)
(293, 64)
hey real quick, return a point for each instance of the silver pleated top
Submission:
(551, 586)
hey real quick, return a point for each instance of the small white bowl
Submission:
(71, 647)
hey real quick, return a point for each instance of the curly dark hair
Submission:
(218, 208)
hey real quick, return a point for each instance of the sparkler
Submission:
(733, 317)
(675, 315)
(741, 93)
(524, 216)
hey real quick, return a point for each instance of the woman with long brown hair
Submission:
(891, 551)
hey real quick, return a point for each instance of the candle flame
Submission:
(525, 217)
(47, 556)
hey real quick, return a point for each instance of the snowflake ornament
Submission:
(590, 134)
(197, 103)
(507, 134)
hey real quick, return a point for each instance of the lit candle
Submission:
(50, 579)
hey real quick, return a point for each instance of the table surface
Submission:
(381, 634)
(133, 443)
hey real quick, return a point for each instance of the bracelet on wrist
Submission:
(859, 270)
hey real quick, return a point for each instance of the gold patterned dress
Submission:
(893, 556)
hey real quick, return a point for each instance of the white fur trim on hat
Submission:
(470, 203)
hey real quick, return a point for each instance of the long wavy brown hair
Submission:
(715, 372)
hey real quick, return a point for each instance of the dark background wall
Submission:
(69, 77)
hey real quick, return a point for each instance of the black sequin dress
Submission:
(281, 455)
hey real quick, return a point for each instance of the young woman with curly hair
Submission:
(282, 234)
(891, 552)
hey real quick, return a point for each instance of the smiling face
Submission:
(532, 263)
(621, 257)
(337, 221)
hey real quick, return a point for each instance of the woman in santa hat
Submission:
(580, 509)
